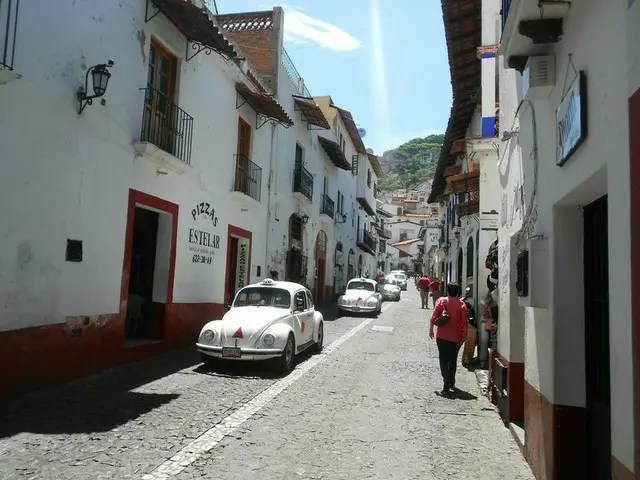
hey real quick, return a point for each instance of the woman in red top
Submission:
(451, 335)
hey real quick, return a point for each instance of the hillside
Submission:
(410, 165)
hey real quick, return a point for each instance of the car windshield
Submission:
(359, 285)
(400, 276)
(263, 297)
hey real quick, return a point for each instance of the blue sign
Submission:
(362, 132)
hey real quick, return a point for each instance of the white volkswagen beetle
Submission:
(362, 296)
(268, 320)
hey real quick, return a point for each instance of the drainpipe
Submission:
(269, 183)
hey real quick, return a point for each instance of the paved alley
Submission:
(364, 408)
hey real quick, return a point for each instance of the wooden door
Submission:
(243, 154)
(159, 98)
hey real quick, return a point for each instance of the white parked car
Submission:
(268, 320)
(390, 290)
(400, 277)
(362, 296)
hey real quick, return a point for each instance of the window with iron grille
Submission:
(354, 164)
(368, 177)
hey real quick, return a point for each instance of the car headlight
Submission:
(396, 289)
(208, 336)
(372, 302)
(342, 301)
(268, 339)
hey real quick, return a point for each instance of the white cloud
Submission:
(301, 28)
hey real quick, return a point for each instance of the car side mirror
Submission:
(227, 307)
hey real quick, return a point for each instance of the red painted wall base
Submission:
(41, 357)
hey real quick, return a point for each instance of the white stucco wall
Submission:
(70, 174)
(553, 349)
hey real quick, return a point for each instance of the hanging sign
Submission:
(203, 241)
(571, 119)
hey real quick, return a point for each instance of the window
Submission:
(422, 222)
(368, 177)
(299, 156)
(360, 285)
(244, 138)
(399, 211)
(300, 301)
(263, 296)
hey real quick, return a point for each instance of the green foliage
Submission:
(411, 163)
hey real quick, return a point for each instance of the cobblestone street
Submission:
(364, 408)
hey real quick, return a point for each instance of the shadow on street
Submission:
(259, 369)
(457, 394)
(97, 403)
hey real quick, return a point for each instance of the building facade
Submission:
(145, 191)
(564, 166)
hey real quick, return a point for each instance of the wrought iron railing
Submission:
(327, 207)
(8, 32)
(365, 238)
(248, 178)
(293, 73)
(303, 182)
(166, 125)
(384, 232)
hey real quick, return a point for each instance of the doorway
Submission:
(149, 265)
(596, 308)
(460, 260)
(238, 270)
(321, 265)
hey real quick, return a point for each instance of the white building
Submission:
(133, 218)
(568, 272)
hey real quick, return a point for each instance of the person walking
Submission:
(423, 285)
(450, 317)
(434, 291)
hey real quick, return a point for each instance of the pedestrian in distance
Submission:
(423, 285)
(434, 291)
(450, 317)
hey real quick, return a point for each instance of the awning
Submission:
(365, 204)
(335, 153)
(352, 129)
(375, 163)
(311, 112)
(465, 182)
(471, 207)
(452, 170)
(264, 104)
(195, 24)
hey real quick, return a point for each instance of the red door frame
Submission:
(145, 200)
(237, 232)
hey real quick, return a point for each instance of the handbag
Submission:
(444, 316)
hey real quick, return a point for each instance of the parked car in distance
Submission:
(267, 320)
(400, 277)
(389, 289)
(361, 296)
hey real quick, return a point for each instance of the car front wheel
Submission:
(287, 358)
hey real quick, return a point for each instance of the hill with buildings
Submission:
(412, 165)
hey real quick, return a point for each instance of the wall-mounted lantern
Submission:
(100, 76)
(304, 217)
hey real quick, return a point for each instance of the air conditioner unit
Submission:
(539, 77)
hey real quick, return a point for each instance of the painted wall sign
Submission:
(242, 264)
(571, 119)
(203, 243)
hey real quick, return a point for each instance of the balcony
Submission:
(384, 232)
(166, 134)
(8, 29)
(366, 242)
(525, 31)
(248, 178)
(302, 184)
(327, 206)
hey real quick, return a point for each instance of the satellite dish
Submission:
(370, 150)
(362, 132)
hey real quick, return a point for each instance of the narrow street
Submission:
(364, 408)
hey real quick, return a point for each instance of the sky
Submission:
(383, 60)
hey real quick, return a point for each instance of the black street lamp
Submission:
(100, 77)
